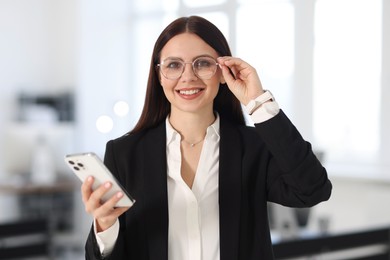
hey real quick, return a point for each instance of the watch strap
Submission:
(257, 102)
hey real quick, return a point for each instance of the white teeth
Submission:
(189, 92)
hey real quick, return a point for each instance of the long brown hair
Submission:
(156, 105)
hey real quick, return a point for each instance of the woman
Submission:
(201, 177)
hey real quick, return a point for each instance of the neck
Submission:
(192, 127)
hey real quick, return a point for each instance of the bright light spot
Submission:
(104, 124)
(121, 108)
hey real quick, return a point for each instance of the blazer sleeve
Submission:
(92, 251)
(295, 177)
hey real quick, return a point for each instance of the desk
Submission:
(51, 201)
(33, 188)
(54, 202)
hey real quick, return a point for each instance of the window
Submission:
(324, 60)
(347, 87)
(267, 43)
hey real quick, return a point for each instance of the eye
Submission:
(173, 65)
(203, 63)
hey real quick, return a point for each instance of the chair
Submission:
(27, 239)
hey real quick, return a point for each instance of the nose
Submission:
(188, 73)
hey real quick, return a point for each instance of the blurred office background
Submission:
(73, 75)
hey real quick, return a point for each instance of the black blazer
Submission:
(268, 162)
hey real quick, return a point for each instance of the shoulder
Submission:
(137, 139)
(245, 133)
(129, 149)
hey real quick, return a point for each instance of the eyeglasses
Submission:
(203, 67)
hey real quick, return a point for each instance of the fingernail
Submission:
(90, 179)
(119, 195)
(107, 185)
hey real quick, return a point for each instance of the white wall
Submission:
(104, 68)
(38, 50)
(39, 45)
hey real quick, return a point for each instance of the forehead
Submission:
(187, 46)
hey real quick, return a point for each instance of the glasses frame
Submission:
(159, 65)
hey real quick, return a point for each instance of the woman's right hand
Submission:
(104, 214)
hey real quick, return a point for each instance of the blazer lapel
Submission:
(229, 190)
(156, 195)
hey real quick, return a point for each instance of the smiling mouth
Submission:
(189, 92)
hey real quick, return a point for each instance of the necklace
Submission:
(193, 144)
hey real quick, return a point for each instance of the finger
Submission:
(86, 188)
(227, 74)
(238, 66)
(108, 208)
(95, 198)
(111, 203)
(108, 220)
(232, 62)
(235, 65)
(108, 217)
(100, 191)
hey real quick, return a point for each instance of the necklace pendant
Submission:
(192, 145)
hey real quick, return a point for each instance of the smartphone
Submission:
(89, 164)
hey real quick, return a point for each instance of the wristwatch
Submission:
(256, 103)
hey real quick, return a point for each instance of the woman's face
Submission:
(189, 93)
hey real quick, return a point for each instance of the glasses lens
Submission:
(172, 69)
(205, 67)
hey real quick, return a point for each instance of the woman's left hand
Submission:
(244, 83)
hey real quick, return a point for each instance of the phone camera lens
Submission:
(80, 165)
(76, 168)
(71, 162)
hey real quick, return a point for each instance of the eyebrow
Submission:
(196, 57)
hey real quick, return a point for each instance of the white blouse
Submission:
(193, 231)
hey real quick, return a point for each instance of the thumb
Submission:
(227, 75)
